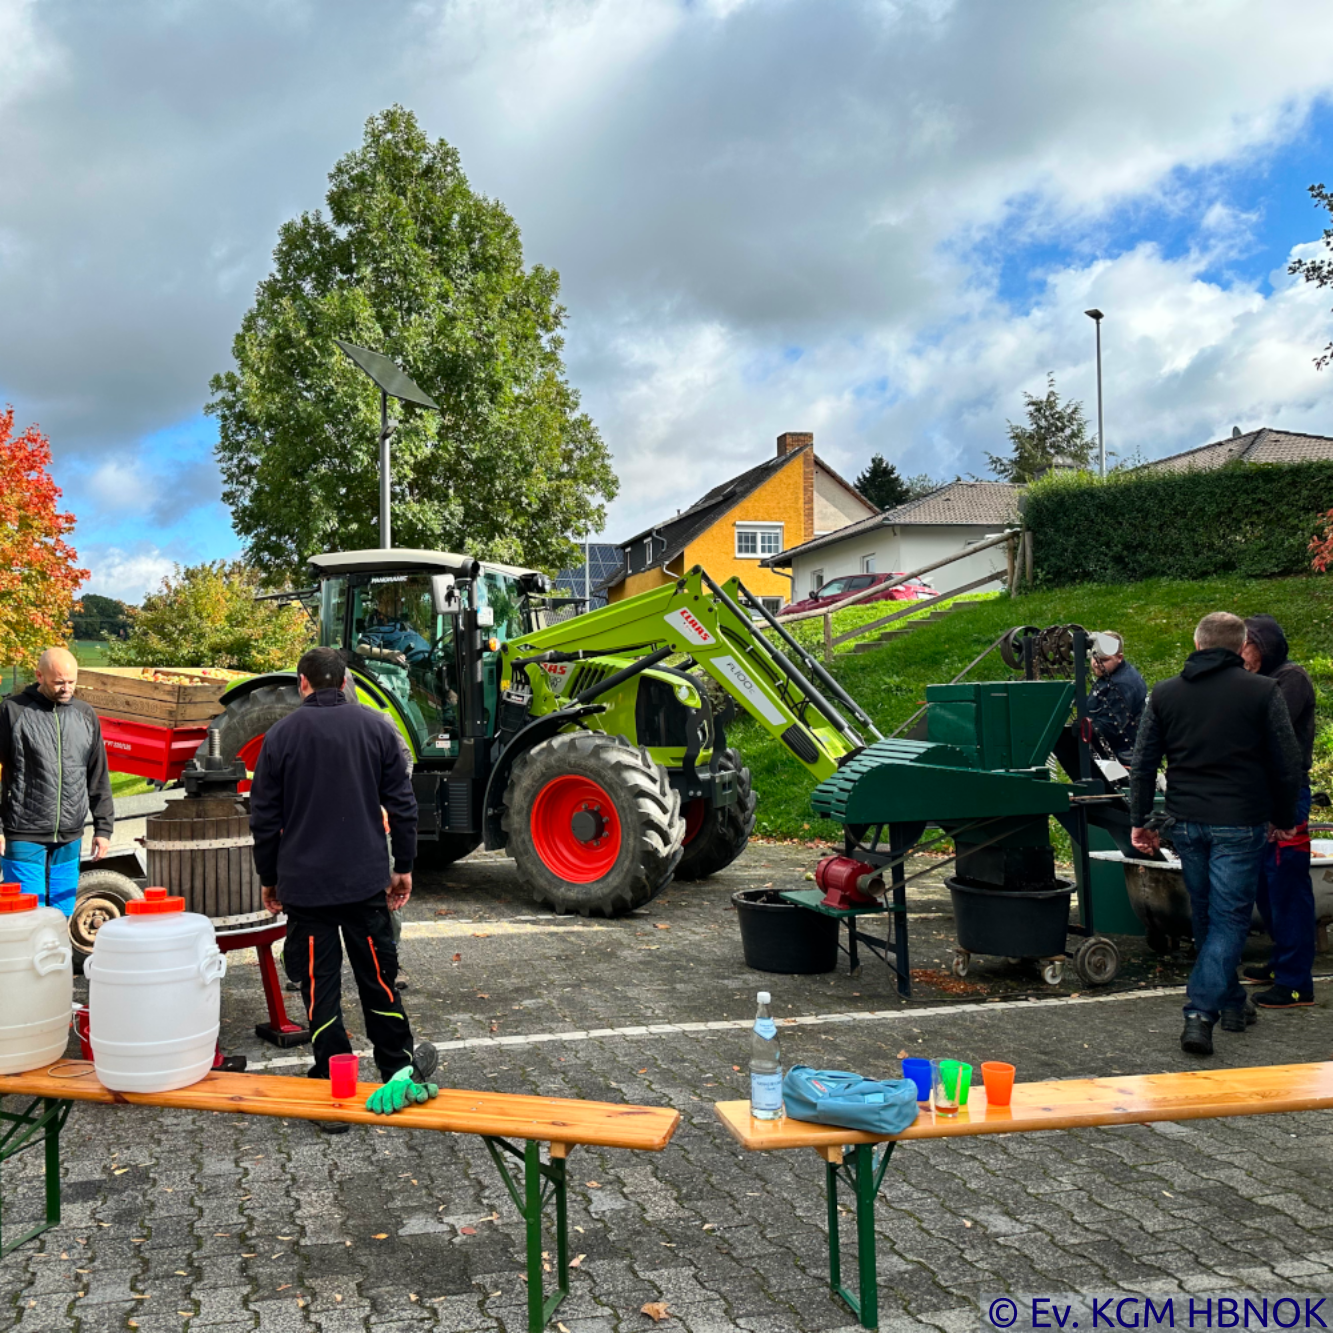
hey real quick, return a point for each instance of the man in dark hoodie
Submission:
(1233, 773)
(1286, 897)
(322, 777)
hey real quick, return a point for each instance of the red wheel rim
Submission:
(694, 819)
(575, 829)
(249, 752)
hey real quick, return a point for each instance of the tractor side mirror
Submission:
(444, 594)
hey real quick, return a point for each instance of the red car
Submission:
(836, 589)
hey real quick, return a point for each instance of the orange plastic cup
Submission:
(999, 1080)
(342, 1077)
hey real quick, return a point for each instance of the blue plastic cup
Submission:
(919, 1072)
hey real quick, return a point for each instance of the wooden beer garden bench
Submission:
(1065, 1104)
(498, 1118)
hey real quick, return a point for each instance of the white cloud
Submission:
(127, 575)
(766, 214)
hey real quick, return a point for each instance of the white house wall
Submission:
(910, 546)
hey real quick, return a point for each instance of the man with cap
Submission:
(1115, 702)
(1286, 897)
(55, 772)
(323, 775)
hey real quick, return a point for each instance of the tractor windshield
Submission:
(400, 640)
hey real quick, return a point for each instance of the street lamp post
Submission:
(392, 383)
(1096, 316)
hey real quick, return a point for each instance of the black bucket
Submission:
(1009, 923)
(778, 936)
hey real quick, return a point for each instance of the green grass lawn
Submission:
(1156, 617)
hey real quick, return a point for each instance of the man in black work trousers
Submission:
(322, 777)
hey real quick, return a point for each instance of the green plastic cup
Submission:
(953, 1085)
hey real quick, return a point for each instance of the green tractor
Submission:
(589, 750)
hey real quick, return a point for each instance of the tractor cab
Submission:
(415, 625)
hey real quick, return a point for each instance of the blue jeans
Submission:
(1286, 903)
(48, 869)
(1220, 865)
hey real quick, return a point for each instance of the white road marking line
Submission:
(802, 1020)
(448, 930)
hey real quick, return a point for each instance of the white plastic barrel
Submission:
(36, 982)
(154, 996)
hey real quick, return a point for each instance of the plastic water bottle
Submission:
(765, 1065)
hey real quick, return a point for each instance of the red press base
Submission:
(279, 1030)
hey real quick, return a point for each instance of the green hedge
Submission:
(1255, 520)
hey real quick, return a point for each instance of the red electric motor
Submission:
(849, 883)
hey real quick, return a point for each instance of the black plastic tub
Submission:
(1012, 923)
(781, 937)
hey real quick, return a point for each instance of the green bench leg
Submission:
(22, 1132)
(857, 1165)
(541, 1182)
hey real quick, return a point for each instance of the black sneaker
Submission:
(1284, 997)
(1258, 974)
(425, 1061)
(1197, 1038)
(1237, 1020)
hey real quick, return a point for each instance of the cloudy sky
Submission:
(878, 221)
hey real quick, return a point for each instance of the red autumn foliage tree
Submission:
(38, 568)
(1321, 547)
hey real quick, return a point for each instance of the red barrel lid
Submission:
(154, 902)
(13, 899)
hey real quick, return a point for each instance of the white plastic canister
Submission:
(154, 996)
(36, 982)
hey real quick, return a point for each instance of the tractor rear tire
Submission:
(441, 853)
(722, 832)
(592, 823)
(249, 717)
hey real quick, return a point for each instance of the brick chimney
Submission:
(794, 439)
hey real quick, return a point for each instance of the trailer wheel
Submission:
(101, 897)
(592, 823)
(715, 837)
(242, 726)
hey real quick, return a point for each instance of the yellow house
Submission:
(792, 498)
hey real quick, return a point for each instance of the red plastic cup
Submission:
(342, 1076)
(999, 1080)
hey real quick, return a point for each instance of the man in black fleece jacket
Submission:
(322, 777)
(1233, 773)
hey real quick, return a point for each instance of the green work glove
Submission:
(401, 1090)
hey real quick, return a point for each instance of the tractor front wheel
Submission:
(592, 823)
(716, 835)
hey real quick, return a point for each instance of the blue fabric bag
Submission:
(832, 1097)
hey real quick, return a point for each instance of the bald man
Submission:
(54, 771)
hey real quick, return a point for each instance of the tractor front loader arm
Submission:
(698, 618)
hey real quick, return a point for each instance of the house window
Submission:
(816, 580)
(868, 563)
(754, 540)
(772, 604)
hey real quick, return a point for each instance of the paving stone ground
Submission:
(217, 1224)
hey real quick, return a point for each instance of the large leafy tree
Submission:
(1319, 271)
(1055, 434)
(881, 484)
(38, 568)
(411, 262)
(206, 615)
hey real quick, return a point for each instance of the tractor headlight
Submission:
(685, 694)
